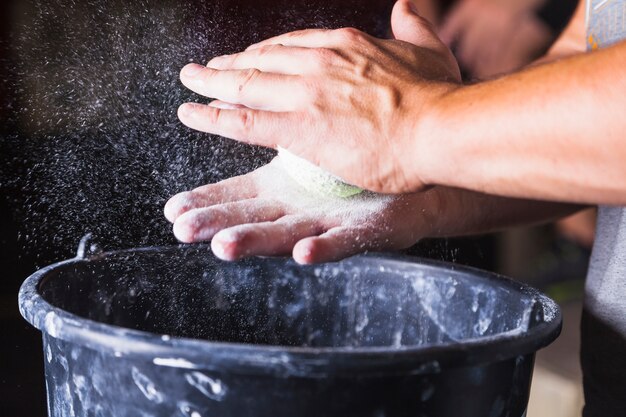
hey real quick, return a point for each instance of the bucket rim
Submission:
(189, 353)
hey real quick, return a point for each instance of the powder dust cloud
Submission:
(91, 141)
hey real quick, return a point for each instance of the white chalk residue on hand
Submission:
(275, 182)
(313, 178)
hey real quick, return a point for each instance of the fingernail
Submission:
(186, 110)
(192, 69)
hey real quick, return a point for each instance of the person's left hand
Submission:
(266, 212)
(342, 99)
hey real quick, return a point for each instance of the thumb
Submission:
(407, 25)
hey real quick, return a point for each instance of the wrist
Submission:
(438, 213)
(435, 212)
(431, 137)
(424, 213)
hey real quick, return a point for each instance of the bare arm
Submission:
(563, 123)
(553, 132)
(392, 116)
(458, 212)
(468, 212)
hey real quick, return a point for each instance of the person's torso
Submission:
(606, 25)
(603, 351)
(606, 22)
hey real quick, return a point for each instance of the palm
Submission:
(265, 212)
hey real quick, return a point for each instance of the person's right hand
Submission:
(492, 37)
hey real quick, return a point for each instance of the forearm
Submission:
(454, 212)
(552, 132)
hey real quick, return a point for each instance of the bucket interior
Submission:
(361, 302)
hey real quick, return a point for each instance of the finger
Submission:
(336, 244)
(245, 125)
(307, 38)
(274, 58)
(202, 224)
(407, 25)
(249, 87)
(232, 189)
(263, 239)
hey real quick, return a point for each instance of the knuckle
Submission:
(232, 60)
(313, 91)
(325, 56)
(214, 116)
(390, 98)
(246, 77)
(294, 34)
(246, 121)
(349, 34)
(266, 49)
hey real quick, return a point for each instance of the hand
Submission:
(492, 37)
(342, 99)
(265, 212)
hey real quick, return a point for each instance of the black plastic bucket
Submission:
(175, 332)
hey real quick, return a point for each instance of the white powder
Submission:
(314, 178)
(275, 182)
